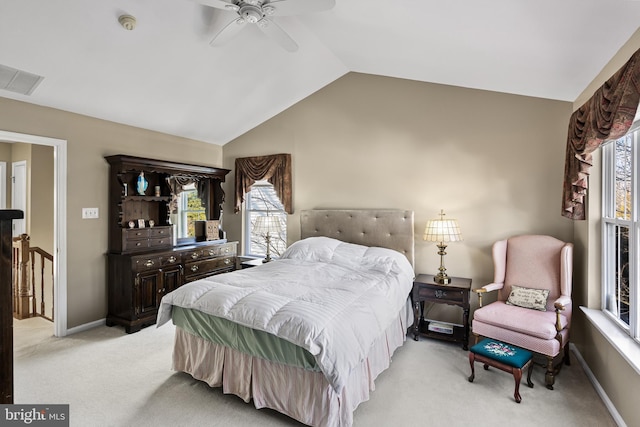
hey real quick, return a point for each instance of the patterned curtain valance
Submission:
(607, 115)
(275, 168)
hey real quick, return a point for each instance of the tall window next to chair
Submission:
(621, 231)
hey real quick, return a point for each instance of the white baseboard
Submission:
(86, 326)
(603, 395)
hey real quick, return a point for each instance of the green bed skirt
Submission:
(246, 340)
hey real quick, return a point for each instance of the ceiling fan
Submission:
(260, 13)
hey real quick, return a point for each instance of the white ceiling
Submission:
(164, 75)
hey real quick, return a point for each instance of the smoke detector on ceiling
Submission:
(128, 22)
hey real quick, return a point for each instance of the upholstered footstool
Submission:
(503, 356)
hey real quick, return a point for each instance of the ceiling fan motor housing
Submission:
(251, 13)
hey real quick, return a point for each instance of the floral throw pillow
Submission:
(528, 297)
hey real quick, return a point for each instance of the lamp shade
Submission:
(442, 230)
(268, 224)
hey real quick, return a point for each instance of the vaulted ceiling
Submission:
(165, 76)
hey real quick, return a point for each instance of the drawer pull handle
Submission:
(226, 250)
(227, 261)
(138, 244)
(441, 294)
(194, 268)
(212, 252)
(194, 255)
(149, 263)
(172, 259)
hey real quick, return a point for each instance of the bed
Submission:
(308, 334)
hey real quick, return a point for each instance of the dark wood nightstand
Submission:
(455, 293)
(251, 263)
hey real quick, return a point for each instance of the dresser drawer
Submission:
(160, 242)
(172, 259)
(422, 293)
(158, 232)
(220, 250)
(135, 233)
(197, 269)
(135, 245)
(145, 263)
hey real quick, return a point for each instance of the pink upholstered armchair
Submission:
(535, 263)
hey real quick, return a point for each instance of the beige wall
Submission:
(491, 160)
(41, 197)
(89, 140)
(618, 379)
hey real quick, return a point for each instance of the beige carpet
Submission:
(110, 378)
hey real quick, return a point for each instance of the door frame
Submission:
(59, 220)
(3, 185)
(24, 195)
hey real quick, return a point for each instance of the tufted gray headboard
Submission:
(387, 228)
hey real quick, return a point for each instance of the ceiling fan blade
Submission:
(298, 7)
(220, 4)
(228, 32)
(276, 33)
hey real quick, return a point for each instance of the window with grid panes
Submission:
(620, 226)
(262, 200)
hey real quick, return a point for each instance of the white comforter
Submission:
(329, 297)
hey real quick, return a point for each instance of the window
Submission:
(621, 231)
(190, 209)
(262, 200)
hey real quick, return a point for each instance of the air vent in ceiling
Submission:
(18, 81)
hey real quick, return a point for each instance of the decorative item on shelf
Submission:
(141, 223)
(268, 225)
(207, 230)
(442, 231)
(132, 224)
(125, 189)
(157, 191)
(141, 184)
(151, 223)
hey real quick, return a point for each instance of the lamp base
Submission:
(442, 279)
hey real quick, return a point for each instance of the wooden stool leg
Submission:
(472, 359)
(529, 383)
(517, 375)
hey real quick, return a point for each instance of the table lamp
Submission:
(267, 224)
(442, 231)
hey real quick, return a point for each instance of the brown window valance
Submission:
(274, 168)
(607, 115)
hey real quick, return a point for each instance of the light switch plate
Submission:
(90, 213)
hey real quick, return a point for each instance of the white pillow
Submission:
(315, 249)
(350, 255)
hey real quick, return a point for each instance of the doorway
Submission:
(59, 220)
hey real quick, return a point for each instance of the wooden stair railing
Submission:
(25, 296)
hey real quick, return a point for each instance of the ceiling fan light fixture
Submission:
(268, 10)
(128, 22)
(233, 7)
(252, 14)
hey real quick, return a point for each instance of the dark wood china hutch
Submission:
(146, 259)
